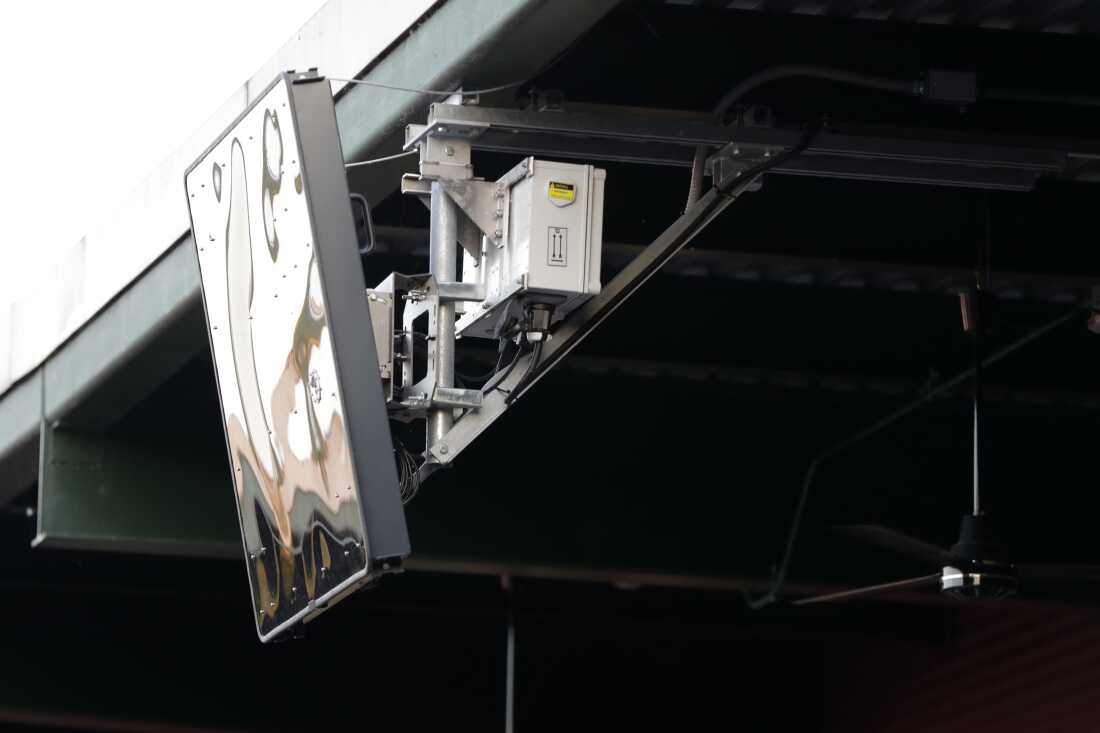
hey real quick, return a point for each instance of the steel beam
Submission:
(103, 492)
(802, 271)
(953, 160)
(144, 336)
(20, 418)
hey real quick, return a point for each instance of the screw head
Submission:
(443, 449)
(448, 150)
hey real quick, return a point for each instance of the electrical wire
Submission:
(416, 90)
(776, 73)
(536, 357)
(494, 383)
(408, 477)
(488, 375)
(780, 580)
(383, 159)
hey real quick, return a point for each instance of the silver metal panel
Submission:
(286, 421)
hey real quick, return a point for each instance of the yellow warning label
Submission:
(563, 192)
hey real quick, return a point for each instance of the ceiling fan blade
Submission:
(924, 580)
(1058, 572)
(898, 543)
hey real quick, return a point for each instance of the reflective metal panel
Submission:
(285, 420)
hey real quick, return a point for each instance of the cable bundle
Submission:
(407, 466)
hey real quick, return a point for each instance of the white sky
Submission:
(96, 94)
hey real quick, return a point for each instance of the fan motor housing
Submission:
(977, 569)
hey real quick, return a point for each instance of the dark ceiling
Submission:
(676, 438)
(1044, 16)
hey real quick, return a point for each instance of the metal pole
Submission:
(510, 663)
(443, 263)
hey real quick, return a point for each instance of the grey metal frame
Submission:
(452, 130)
(609, 134)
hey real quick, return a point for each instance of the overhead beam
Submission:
(20, 418)
(950, 159)
(802, 271)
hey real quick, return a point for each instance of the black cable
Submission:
(536, 356)
(493, 383)
(912, 88)
(781, 576)
(489, 374)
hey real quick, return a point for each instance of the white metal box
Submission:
(550, 253)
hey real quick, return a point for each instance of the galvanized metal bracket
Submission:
(484, 205)
(460, 292)
(441, 156)
(733, 159)
(466, 399)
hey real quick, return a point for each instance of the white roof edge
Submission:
(340, 40)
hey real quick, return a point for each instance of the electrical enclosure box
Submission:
(551, 249)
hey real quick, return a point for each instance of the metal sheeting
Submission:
(1060, 16)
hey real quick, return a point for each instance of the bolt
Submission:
(497, 233)
(448, 150)
(443, 449)
(485, 306)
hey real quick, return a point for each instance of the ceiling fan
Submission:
(977, 565)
